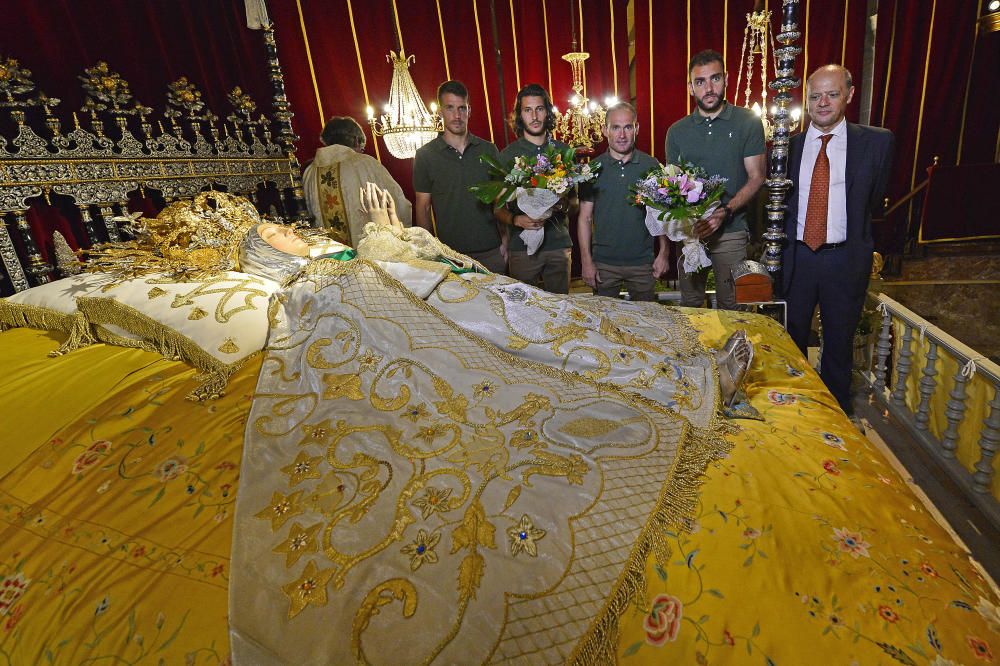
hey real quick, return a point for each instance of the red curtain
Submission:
(150, 43)
(923, 55)
(468, 54)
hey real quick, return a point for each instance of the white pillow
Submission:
(215, 324)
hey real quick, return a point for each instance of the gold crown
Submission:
(191, 239)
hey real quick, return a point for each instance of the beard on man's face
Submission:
(712, 105)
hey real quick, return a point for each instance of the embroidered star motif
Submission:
(309, 588)
(422, 550)
(304, 467)
(328, 179)
(332, 201)
(316, 433)
(524, 536)
(299, 542)
(281, 508)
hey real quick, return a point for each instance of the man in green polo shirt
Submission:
(727, 141)
(533, 119)
(443, 170)
(623, 252)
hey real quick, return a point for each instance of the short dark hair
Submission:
(343, 131)
(705, 57)
(532, 90)
(453, 87)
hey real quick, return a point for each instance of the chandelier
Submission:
(405, 123)
(757, 39)
(580, 125)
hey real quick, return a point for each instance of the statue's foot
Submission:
(733, 361)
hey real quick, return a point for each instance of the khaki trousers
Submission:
(552, 266)
(725, 251)
(638, 281)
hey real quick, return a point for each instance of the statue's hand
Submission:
(374, 204)
(390, 205)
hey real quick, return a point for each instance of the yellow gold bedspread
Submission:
(806, 546)
(115, 521)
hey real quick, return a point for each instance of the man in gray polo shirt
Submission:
(443, 170)
(623, 252)
(533, 120)
(728, 141)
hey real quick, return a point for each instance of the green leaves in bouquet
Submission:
(495, 191)
(499, 189)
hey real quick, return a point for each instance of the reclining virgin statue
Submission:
(446, 465)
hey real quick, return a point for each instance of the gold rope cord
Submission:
(309, 59)
(361, 70)
(444, 45)
(513, 33)
(482, 69)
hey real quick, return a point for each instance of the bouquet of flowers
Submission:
(537, 182)
(676, 197)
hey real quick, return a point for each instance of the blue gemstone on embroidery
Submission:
(523, 535)
(190, 490)
(420, 549)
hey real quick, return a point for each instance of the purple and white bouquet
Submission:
(676, 198)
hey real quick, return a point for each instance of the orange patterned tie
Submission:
(814, 235)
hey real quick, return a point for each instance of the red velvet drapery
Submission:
(923, 57)
(149, 43)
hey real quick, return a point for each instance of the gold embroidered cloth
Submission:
(641, 347)
(411, 493)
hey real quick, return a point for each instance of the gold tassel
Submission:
(23, 315)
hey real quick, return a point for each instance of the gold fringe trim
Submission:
(160, 339)
(678, 502)
(74, 325)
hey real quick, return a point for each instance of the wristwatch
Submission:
(729, 211)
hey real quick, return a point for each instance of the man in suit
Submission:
(839, 172)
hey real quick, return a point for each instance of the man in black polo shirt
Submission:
(532, 120)
(443, 170)
(623, 251)
(727, 141)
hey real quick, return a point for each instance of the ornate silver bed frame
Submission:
(99, 167)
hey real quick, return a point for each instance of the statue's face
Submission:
(283, 238)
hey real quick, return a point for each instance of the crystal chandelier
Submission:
(580, 125)
(405, 123)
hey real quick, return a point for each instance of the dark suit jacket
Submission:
(869, 161)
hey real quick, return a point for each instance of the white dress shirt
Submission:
(836, 151)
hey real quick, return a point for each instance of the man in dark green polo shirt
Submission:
(533, 119)
(443, 170)
(623, 252)
(727, 141)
